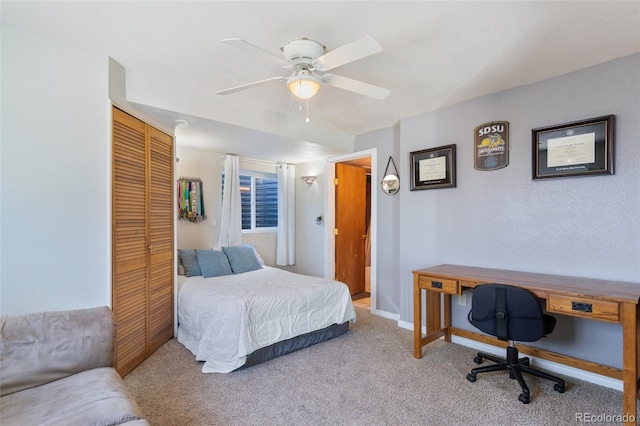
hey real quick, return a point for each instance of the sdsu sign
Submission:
(491, 145)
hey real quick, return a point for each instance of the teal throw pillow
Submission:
(213, 263)
(242, 259)
(190, 262)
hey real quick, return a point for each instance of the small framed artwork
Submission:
(433, 168)
(579, 148)
(491, 145)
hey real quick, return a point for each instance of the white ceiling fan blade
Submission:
(250, 85)
(356, 86)
(348, 53)
(255, 50)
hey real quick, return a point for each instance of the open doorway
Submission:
(351, 224)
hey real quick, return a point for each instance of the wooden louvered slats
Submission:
(131, 320)
(160, 301)
(129, 241)
(161, 210)
(143, 209)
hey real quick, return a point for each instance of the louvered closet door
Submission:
(161, 209)
(129, 227)
(143, 211)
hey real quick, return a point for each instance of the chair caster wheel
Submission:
(524, 398)
(478, 360)
(558, 387)
(471, 377)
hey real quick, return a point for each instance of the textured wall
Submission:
(583, 226)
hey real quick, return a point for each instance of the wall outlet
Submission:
(462, 300)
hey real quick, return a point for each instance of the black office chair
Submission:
(511, 314)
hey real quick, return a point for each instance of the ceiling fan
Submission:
(309, 62)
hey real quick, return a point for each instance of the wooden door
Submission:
(142, 238)
(351, 226)
(129, 230)
(160, 237)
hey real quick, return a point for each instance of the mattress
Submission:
(222, 320)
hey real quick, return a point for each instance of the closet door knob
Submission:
(150, 247)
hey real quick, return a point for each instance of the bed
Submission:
(241, 319)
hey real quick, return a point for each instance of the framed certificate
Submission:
(579, 148)
(433, 168)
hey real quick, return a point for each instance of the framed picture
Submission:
(580, 148)
(433, 168)
(491, 145)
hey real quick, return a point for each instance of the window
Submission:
(259, 199)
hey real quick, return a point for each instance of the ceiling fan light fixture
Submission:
(304, 85)
(306, 58)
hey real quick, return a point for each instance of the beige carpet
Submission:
(366, 377)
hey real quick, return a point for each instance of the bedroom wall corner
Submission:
(207, 166)
(387, 142)
(118, 96)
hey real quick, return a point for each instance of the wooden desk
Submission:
(602, 300)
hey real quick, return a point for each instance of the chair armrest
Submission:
(39, 348)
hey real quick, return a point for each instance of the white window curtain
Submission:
(286, 237)
(231, 211)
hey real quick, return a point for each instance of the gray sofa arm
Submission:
(42, 347)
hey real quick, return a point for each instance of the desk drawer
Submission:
(440, 284)
(586, 308)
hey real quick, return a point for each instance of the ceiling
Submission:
(435, 54)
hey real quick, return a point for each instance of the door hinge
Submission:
(335, 181)
(335, 231)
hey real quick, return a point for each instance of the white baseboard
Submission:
(555, 367)
(385, 314)
(409, 326)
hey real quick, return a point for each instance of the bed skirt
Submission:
(293, 344)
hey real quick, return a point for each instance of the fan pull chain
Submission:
(307, 120)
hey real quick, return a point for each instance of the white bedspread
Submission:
(223, 319)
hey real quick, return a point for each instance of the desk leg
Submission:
(433, 318)
(630, 361)
(417, 319)
(447, 317)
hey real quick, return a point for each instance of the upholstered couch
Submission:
(56, 369)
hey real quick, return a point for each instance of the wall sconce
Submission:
(308, 179)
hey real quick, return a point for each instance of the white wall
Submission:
(387, 142)
(310, 203)
(207, 166)
(55, 200)
(583, 226)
